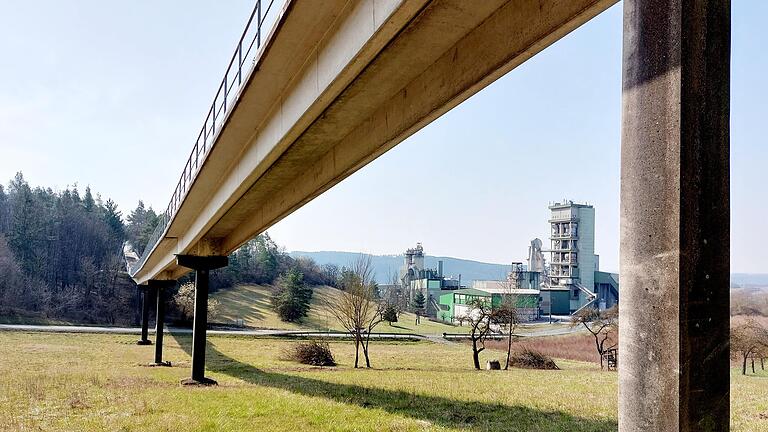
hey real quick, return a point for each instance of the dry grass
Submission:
(66, 382)
(100, 385)
(579, 347)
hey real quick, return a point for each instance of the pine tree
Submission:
(4, 209)
(114, 220)
(418, 301)
(141, 225)
(390, 314)
(291, 298)
(24, 231)
(266, 257)
(89, 204)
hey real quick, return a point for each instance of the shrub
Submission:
(529, 359)
(311, 353)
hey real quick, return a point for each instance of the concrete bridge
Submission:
(316, 90)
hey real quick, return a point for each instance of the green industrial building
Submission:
(455, 304)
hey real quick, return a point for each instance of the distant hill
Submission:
(384, 265)
(747, 280)
(469, 270)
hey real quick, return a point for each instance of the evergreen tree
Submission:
(25, 231)
(418, 301)
(390, 314)
(88, 202)
(347, 278)
(291, 298)
(141, 225)
(114, 220)
(267, 258)
(4, 209)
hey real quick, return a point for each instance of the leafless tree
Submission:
(479, 317)
(748, 340)
(356, 307)
(506, 314)
(603, 326)
(184, 300)
(395, 295)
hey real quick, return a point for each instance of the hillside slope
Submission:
(251, 303)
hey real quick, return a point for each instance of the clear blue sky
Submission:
(112, 95)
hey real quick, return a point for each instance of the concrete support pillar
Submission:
(160, 287)
(675, 233)
(202, 266)
(145, 305)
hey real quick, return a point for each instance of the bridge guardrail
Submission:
(242, 63)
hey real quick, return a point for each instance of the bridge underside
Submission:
(321, 106)
(337, 86)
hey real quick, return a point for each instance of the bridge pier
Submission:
(145, 304)
(160, 287)
(675, 216)
(202, 265)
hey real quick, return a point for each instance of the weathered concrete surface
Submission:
(376, 73)
(674, 332)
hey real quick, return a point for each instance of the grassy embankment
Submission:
(67, 382)
(251, 303)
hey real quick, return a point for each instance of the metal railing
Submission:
(239, 68)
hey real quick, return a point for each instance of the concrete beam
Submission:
(674, 331)
(498, 37)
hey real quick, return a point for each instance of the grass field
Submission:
(251, 303)
(69, 382)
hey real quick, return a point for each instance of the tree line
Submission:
(61, 255)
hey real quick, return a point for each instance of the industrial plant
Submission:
(567, 282)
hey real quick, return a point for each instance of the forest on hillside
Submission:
(61, 256)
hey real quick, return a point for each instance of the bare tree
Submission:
(506, 314)
(479, 316)
(356, 307)
(395, 295)
(748, 340)
(603, 326)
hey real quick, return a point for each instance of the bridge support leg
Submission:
(145, 304)
(674, 331)
(202, 266)
(160, 287)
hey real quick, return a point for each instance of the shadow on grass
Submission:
(437, 410)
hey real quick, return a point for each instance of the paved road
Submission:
(275, 333)
(137, 331)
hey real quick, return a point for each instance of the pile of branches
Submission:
(530, 359)
(313, 353)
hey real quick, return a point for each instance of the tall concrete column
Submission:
(160, 287)
(202, 266)
(145, 305)
(674, 333)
